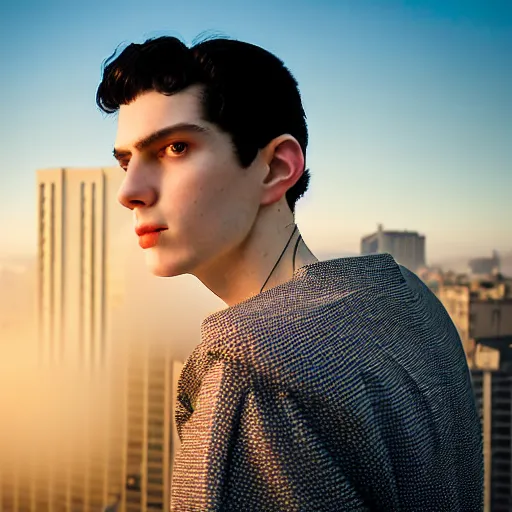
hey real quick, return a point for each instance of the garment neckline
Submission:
(318, 269)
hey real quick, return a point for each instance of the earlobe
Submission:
(286, 165)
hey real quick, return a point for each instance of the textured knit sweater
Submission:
(344, 389)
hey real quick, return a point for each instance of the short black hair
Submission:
(248, 91)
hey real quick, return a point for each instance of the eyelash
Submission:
(186, 146)
(162, 153)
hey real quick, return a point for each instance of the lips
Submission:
(149, 235)
(149, 228)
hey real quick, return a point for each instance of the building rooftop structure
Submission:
(485, 265)
(407, 247)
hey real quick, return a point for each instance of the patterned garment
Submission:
(344, 389)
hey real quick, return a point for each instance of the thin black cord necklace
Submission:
(279, 259)
(295, 250)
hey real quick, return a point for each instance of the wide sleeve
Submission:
(208, 432)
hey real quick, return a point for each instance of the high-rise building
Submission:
(482, 312)
(150, 438)
(99, 310)
(407, 247)
(77, 214)
(492, 382)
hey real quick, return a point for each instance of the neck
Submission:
(241, 273)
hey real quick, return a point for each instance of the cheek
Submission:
(235, 210)
(192, 204)
(210, 200)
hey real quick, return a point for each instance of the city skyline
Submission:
(408, 109)
(144, 316)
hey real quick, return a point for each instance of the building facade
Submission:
(73, 226)
(150, 437)
(408, 248)
(481, 309)
(492, 382)
(485, 266)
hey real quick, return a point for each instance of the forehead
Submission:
(153, 111)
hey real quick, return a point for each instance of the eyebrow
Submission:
(150, 139)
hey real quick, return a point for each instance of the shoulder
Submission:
(315, 293)
(338, 318)
(326, 301)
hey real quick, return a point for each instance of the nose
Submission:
(137, 188)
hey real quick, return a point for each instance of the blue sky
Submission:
(408, 103)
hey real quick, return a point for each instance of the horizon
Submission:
(18, 260)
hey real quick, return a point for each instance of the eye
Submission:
(176, 148)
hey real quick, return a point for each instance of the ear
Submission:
(285, 161)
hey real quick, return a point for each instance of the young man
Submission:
(324, 386)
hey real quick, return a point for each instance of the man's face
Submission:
(182, 175)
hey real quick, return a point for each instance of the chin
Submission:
(162, 265)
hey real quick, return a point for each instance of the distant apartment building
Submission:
(479, 309)
(407, 247)
(492, 383)
(150, 437)
(485, 266)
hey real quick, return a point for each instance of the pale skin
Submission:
(226, 225)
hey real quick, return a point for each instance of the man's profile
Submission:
(324, 385)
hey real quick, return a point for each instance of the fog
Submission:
(53, 415)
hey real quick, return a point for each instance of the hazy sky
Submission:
(409, 106)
